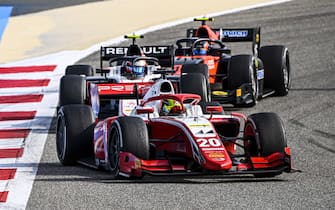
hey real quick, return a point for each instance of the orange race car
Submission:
(207, 67)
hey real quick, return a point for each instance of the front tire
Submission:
(241, 70)
(128, 134)
(74, 133)
(266, 135)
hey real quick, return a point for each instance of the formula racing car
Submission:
(127, 67)
(167, 134)
(208, 68)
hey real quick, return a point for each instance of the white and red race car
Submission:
(129, 68)
(168, 134)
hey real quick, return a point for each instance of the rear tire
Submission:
(74, 133)
(128, 134)
(241, 70)
(276, 68)
(86, 70)
(72, 90)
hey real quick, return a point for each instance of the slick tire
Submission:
(276, 68)
(128, 134)
(74, 133)
(195, 68)
(85, 70)
(195, 83)
(72, 90)
(266, 135)
(241, 70)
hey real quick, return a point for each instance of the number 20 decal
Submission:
(209, 142)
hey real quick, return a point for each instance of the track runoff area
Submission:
(28, 98)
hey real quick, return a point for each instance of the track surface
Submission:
(307, 28)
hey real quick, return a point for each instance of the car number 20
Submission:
(211, 142)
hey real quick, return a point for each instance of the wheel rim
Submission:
(61, 139)
(114, 151)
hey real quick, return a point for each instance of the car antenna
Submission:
(203, 20)
(133, 37)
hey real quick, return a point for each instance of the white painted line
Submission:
(8, 163)
(27, 166)
(22, 91)
(27, 75)
(3, 185)
(19, 107)
(11, 144)
(17, 124)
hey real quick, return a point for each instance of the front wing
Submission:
(274, 164)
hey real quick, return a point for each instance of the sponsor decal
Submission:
(199, 125)
(118, 88)
(235, 33)
(145, 49)
(213, 149)
(138, 164)
(260, 74)
(207, 143)
(210, 64)
(155, 50)
(239, 92)
(216, 155)
(102, 88)
(116, 50)
(220, 93)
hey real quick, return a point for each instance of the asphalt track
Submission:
(307, 28)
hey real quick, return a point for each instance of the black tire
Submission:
(133, 133)
(86, 70)
(72, 90)
(195, 83)
(241, 70)
(195, 68)
(74, 133)
(270, 131)
(271, 137)
(277, 68)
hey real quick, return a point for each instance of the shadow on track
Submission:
(55, 172)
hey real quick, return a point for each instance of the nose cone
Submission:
(218, 160)
(227, 165)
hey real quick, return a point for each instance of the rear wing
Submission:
(164, 53)
(235, 35)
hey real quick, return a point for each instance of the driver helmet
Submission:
(201, 48)
(136, 70)
(171, 107)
